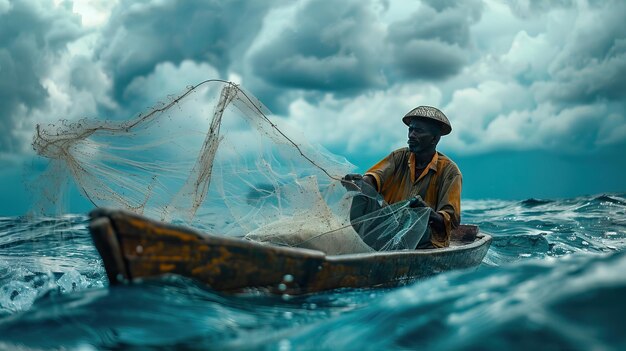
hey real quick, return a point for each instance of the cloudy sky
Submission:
(536, 93)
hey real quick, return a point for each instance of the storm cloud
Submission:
(592, 63)
(434, 42)
(327, 46)
(32, 36)
(526, 84)
(140, 35)
(523, 75)
(559, 89)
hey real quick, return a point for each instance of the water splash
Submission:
(45, 255)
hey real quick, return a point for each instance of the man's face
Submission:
(423, 135)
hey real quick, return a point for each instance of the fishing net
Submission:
(213, 158)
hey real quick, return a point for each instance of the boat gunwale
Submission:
(481, 239)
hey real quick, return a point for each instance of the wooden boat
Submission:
(134, 248)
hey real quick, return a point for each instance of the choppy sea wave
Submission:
(553, 279)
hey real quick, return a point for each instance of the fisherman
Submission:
(418, 174)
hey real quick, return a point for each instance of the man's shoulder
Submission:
(400, 153)
(445, 163)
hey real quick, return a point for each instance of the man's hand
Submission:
(417, 202)
(435, 219)
(352, 181)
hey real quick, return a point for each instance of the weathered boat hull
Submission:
(133, 248)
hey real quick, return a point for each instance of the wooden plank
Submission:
(136, 247)
(106, 243)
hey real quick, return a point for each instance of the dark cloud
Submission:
(345, 48)
(140, 35)
(329, 46)
(32, 32)
(441, 5)
(434, 42)
(592, 63)
(529, 8)
(598, 82)
(429, 59)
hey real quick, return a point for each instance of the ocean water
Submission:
(554, 278)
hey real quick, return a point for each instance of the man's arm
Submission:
(378, 174)
(369, 179)
(435, 219)
(449, 207)
(447, 215)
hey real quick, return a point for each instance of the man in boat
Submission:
(418, 174)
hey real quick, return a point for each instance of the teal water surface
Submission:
(553, 279)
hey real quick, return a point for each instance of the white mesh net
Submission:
(212, 158)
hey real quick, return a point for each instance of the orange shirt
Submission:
(439, 185)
